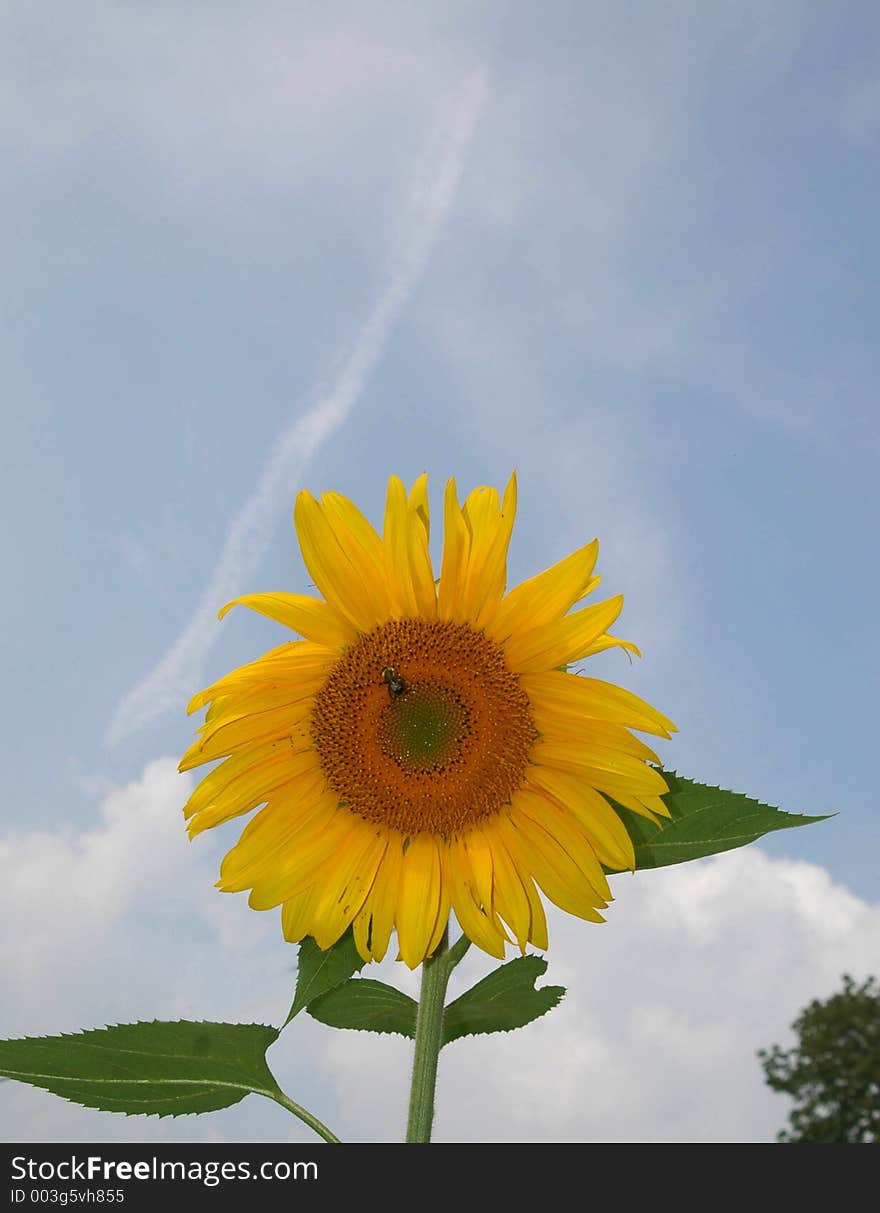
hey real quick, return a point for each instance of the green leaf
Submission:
(367, 1006)
(152, 1069)
(504, 1000)
(319, 971)
(705, 820)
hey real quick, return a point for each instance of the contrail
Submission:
(171, 681)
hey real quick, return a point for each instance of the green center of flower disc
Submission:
(423, 728)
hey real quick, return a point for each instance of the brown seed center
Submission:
(421, 726)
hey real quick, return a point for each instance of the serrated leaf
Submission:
(148, 1069)
(367, 1006)
(705, 821)
(504, 1000)
(319, 971)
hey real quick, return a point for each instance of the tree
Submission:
(833, 1074)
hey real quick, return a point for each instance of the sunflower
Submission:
(424, 749)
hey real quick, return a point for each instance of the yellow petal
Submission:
(291, 724)
(566, 833)
(473, 572)
(418, 536)
(418, 898)
(345, 882)
(651, 807)
(491, 529)
(565, 640)
(570, 694)
(245, 787)
(295, 662)
(599, 821)
(594, 760)
(442, 920)
(589, 587)
(311, 617)
(478, 925)
(509, 896)
(276, 841)
(546, 597)
(347, 582)
(553, 869)
(577, 731)
(358, 539)
(538, 929)
(453, 567)
(407, 560)
(287, 692)
(479, 855)
(610, 642)
(297, 914)
(310, 849)
(361, 932)
(418, 503)
(382, 901)
(240, 766)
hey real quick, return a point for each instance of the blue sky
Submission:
(630, 251)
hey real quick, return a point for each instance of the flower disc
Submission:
(441, 754)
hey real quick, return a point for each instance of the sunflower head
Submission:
(423, 748)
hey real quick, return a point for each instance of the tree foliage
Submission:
(833, 1074)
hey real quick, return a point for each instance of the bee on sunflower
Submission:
(423, 749)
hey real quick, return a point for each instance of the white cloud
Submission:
(432, 193)
(62, 889)
(121, 922)
(698, 967)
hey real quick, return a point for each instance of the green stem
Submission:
(304, 1114)
(429, 1035)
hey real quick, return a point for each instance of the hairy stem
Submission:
(429, 1035)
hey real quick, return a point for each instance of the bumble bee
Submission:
(396, 685)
